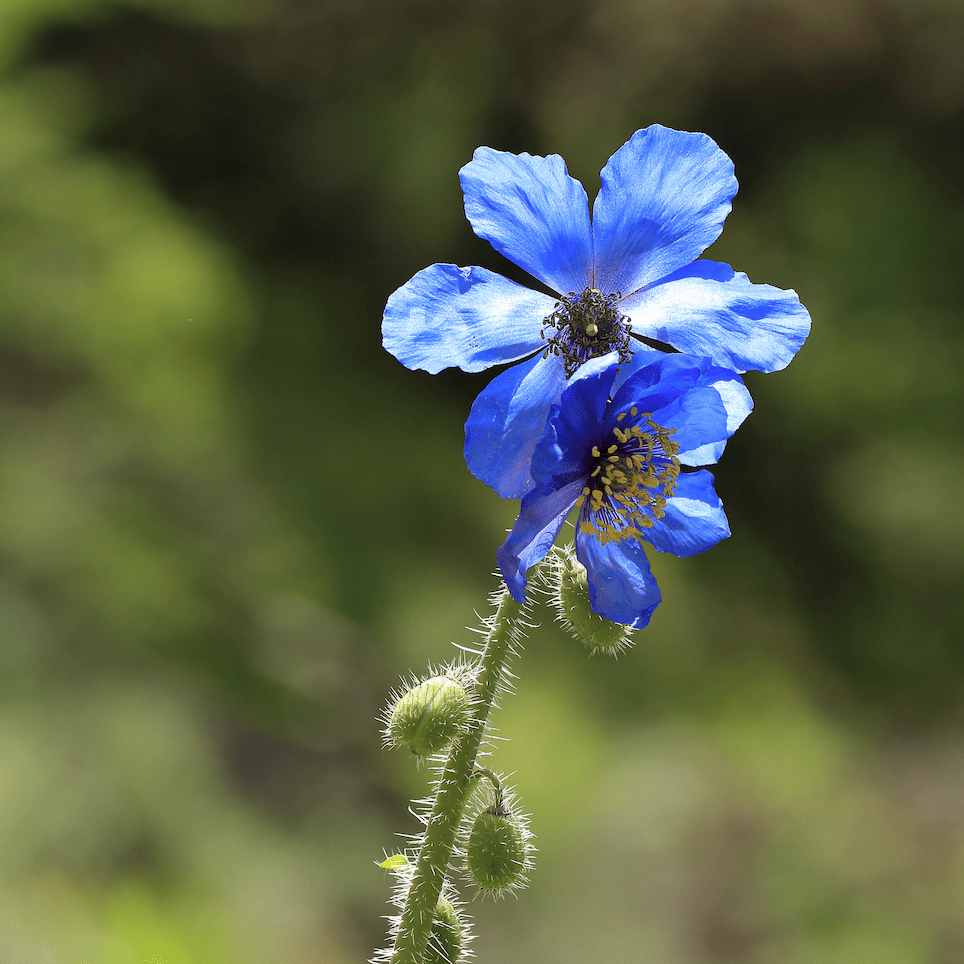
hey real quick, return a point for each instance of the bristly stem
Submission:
(438, 842)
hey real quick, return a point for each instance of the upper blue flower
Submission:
(630, 272)
(619, 461)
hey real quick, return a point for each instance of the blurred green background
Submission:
(229, 521)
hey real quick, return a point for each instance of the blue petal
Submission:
(506, 421)
(469, 317)
(663, 200)
(694, 518)
(621, 585)
(709, 309)
(530, 210)
(698, 417)
(658, 379)
(535, 530)
(642, 356)
(737, 404)
(655, 385)
(564, 453)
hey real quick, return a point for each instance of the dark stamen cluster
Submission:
(586, 327)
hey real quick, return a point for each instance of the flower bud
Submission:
(429, 716)
(570, 587)
(445, 940)
(497, 854)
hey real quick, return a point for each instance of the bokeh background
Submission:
(229, 522)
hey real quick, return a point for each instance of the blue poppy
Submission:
(621, 461)
(630, 272)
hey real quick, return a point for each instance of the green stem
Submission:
(494, 780)
(457, 778)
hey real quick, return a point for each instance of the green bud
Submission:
(445, 940)
(497, 854)
(429, 716)
(570, 586)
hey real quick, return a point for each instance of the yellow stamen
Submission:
(635, 477)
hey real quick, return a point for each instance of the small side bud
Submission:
(447, 936)
(497, 854)
(429, 716)
(569, 589)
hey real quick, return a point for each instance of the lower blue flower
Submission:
(617, 453)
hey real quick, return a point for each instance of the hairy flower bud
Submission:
(569, 585)
(445, 941)
(429, 716)
(498, 851)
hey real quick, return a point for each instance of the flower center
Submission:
(631, 481)
(586, 327)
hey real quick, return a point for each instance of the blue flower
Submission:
(629, 272)
(620, 462)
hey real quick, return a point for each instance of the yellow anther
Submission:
(635, 478)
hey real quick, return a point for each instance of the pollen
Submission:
(633, 480)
